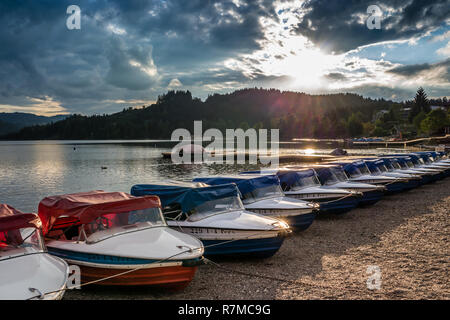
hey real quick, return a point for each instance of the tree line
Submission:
(420, 120)
(295, 114)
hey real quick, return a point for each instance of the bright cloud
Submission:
(44, 106)
(445, 51)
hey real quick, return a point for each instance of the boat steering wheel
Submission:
(102, 223)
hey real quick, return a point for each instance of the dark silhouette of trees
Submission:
(435, 121)
(295, 114)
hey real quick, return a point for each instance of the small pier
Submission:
(403, 143)
(282, 158)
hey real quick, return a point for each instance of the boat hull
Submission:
(45, 274)
(414, 183)
(428, 179)
(175, 277)
(167, 274)
(300, 222)
(331, 205)
(396, 187)
(253, 248)
(341, 206)
(370, 197)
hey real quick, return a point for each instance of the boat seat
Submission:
(56, 234)
(10, 238)
(81, 235)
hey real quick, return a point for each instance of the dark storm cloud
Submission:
(188, 33)
(395, 94)
(122, 74)
(380, 91)
(132, 50)
(337, 76)
(416, 69)
(339, 26)
(39, 56)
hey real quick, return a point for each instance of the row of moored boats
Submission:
(160, 233)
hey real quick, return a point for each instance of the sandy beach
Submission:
(405, 236)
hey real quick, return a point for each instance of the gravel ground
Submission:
(405, 235)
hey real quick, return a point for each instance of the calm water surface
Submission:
(30, 171)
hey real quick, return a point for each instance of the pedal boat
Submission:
(428, 175)
(216, 216)
(393, 166)
(302, 183)
(263, 195)
(378, 167)
(400, 165)
(429, 162)
(439, 157)
(27, 271)
(116, 235)
(420, 164)
(357, 171)
(334, 176)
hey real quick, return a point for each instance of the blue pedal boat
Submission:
(400, 165)
(216, 216)
(429, 162)
(407, 165)
(358, 171)
(334, 176)
(263, 194)
(303, 183)
(420, 164)
(378, 167)
(393, 167)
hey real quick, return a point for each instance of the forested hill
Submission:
(12, 122)
(295, 114)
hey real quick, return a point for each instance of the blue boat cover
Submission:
(187, 195)
(324, 174)
(386, 161)
(350, 169)
(424, 156)
(359, 164)
(372, 166)
(290, 177)
(374, 163)
(402, 160)
(245, 183)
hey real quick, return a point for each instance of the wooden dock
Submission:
(403, 143)
(282, 158)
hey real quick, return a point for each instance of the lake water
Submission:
(30, 171)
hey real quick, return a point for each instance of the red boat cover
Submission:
(11, 221)
(87, 206)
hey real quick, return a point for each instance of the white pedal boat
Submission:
(27, 271)
(216, 216)
(302, 183)
(334, 176)
(109, 233)
(263, 195)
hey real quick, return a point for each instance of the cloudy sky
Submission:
(129, 52)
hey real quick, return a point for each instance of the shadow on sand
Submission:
(301, 254)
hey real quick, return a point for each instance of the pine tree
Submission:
(421, 104)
